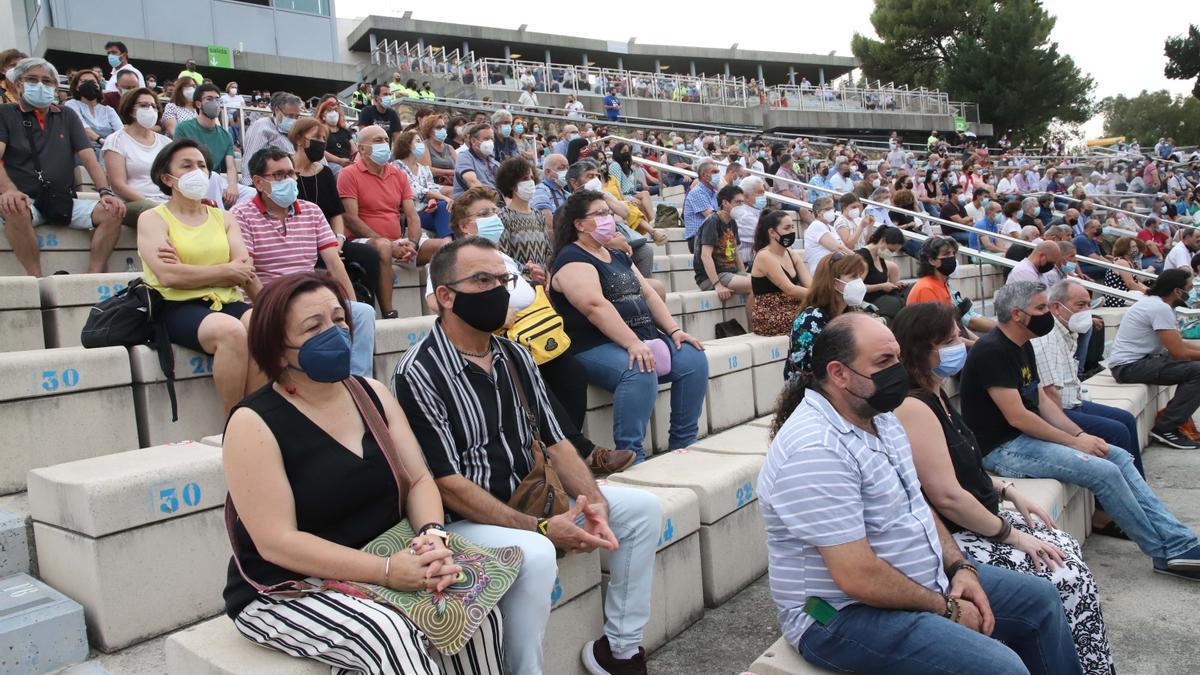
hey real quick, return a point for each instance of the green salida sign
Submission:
(220, 57)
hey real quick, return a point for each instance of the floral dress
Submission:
(805, 329)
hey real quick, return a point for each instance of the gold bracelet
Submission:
(387, 568)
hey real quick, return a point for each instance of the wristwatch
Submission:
(543, 524)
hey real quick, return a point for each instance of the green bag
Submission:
(1191, 331)
(666, 215)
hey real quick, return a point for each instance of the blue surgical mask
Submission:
(284, 192)
(519, 129)
(418, 150)
(114, 60)
(386, 101)
(1069, 268)
(439, 134)
(952, 359)
(562, 177)
(285, 124)
(325, 357)
(381, 153)
(760, 202)
(715, 181)
(998, 218)
(505, 129)
(984, 202)
(490, 228)
(39, 95)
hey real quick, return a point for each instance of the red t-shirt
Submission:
(1160, 238)
(380, 200)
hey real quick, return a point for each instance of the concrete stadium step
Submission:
(200, 410)
(676, 598)
(662, 271)
(746, 439)
(17, 553)
(138, 538)
(767, 354)
(67, 299)
(733, 551)
(730, 377)
(20, 312)
(683, 276)
(782, 658)
(66, 249)
(60, 405)
(408, 290)
(702, 311)
(394, 337)
(41, 630)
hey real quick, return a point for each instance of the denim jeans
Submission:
(1117, 427)
(912, 247)
(362, 347)
(635, 517)
(1162, 369)
(1029, 620)
(1126, 497)
(437, 221)
(634, 393)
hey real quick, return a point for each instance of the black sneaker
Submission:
(1175, 439)
(394, 314)
(1188, 561)
(1163, 567)
(598, 659)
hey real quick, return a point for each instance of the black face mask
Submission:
(484, 311)
(315, 151)
(1040, 324)
(1045, 267)
(947, 265)
(89, 90)
(786, 240)
(891, 387)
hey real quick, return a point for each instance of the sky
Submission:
(1121, 49)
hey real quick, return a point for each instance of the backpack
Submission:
(129, 318)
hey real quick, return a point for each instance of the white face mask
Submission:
(193, 184)
(486, 148)
(525, 189)
(146, 117)
(331, 118)
(593, 184)
(188, 91)
(828, 216)
(1080, 322)
(854, 292)
(853, 213)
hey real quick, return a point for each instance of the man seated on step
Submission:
(866, 577)
(285, 235)
(477, 431)
(1023, 432)
(206, 128)
(717, 264)
(39, 145)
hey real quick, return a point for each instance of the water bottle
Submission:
(129, 266)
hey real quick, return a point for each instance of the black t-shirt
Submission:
(321, 189)
(338, 143)
(387, 120)
(951, 210)
(874, 276)
(1017, 253)
(964, 455)
(995, 361)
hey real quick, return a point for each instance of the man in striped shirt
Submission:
(285, 235)
(865, 576)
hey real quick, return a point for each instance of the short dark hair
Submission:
(441, 267)
(1169, 281)
(267, 336)
(270, 153)
(476, 128)
(918, 328)
(125, 105)
(727, 194)
(980, 192)
(510, 172)
(835, 343)
(768, 220)
(118, 44)
(162, 161)
(382, 85)
(930, 250)
(575, 208)
(1011, 208)
(888, 235)
(200, 90)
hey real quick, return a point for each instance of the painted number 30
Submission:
(66, 378)
(169, 498)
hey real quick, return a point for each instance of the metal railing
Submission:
(860, 99)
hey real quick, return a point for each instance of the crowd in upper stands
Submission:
(273, 239)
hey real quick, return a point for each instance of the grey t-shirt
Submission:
(56, 145)
(1136, 338)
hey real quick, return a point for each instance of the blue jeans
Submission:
(912, 247)
(362, 347)
(437, 221)
(634, 393)
(1126, 497)
(635, 517)
(1117, 427)
(1029, 620)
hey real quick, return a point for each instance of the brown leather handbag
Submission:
(540, 493)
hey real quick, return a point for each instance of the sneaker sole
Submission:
(1172, 573)
(588, 656)
(1173, 444)
(1183, 565)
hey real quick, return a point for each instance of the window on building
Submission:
(308, 6)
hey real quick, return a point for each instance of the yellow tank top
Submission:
(207, 244)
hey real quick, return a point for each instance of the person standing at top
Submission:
(612, 105)
(189, 70)
(118, 59)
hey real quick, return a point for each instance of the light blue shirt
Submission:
(699, 199)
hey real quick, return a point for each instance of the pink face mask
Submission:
(606, 229)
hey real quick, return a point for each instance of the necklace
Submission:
(485, 352)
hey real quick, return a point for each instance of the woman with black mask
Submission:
(937, 261)
(98, 119)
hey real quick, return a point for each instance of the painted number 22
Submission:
(169, 498)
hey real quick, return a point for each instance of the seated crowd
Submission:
(515, 228)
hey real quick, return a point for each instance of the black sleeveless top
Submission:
(620, 287)
(874, 274)
(339, 497)
(964, 455)
(764, 286)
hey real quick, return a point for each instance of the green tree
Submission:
(1150, 116)
(997, 54)
(1183, 58)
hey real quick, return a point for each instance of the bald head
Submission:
(1046, 255)
(555, 163)
(845, 355)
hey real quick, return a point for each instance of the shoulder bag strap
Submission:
(33, 149)
(378, 427)
(518, 384)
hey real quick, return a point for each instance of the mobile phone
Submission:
(820, 610)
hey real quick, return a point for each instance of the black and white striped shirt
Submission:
(468, 422)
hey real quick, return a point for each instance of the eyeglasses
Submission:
(484, 281)
(598, 214)
(35, 80)
(279, 175)
(486, 213)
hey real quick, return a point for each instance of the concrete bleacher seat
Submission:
(200, 410)
(67, 299)
(394, 337)
(733, 544)
(662, 270)
(138, 538)
(730, 377)
(683, 277)
(676, 244)
(782, 659)
(59, 405)
(66, 249)
(1112, 320)
(747, 439)
(20, 312)
(767, 354)
(576, 612)
(676, 600)
(41, 630)
(408, 292)
(702, 311)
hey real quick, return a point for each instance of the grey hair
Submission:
(575, 171)
(1059, 229)
(752, 183)
(1016, 295)
(1029, 233)
(1061, 290)
(703, 164)
(822, 203)
(501, 116)
(880, 193)
(27, 64)
(1066, 248)
(1028, 202)
(282, 98)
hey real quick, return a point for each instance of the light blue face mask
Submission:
(952, 359)
(505, 129)
(439, 134)
(562, 177)
(418, 150)
(381, 153)
(760, 202)
(715, 181)
(984, 202)
(284, 192)
(519, 129)
(490, 228)
(998, 218)
(387, 101)
(285, 124)
(1069, 268)
(39, 95)
(114, 60)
